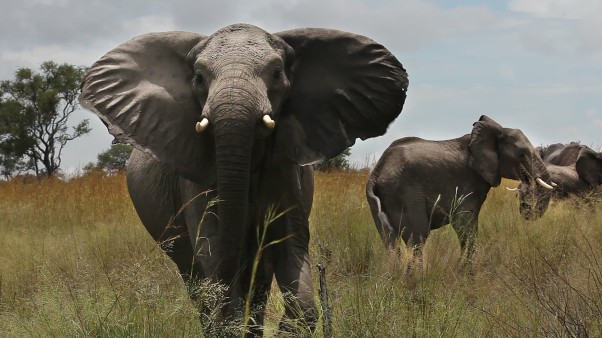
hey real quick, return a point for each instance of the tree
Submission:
(339, 162)
(112, 160)
(14, 141)
(38, 107)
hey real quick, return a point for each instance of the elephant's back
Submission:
(417, 159)
(566, 155)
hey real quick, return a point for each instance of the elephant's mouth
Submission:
(534, 195)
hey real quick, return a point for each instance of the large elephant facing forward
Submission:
(420, 185)
(237, 114)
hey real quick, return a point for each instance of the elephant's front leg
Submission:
(257, 278)
(290, 187)
(293, 274)
(465, 224)
(199, 210)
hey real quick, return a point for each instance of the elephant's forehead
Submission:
(249, 43)
(514, 134)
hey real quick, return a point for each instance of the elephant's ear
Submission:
(142, 91)
(485, 151)
(343, 86)
(589, 166)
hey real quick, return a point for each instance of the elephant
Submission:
(225, 129)
(560, 154)
(420, 185)
(573, 168)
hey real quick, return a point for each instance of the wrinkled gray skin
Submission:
(575, 168)
(560, 154)
(420, 185)
(323, 88)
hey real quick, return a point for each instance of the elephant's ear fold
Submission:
(589, 166)
(485, 151)
(343, 86)
(142, 91)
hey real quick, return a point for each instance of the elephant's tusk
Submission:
(201, 126)
(267, 120)
(553, 184)
(511, 189)
(544, 184)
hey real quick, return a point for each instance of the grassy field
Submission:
(75, 261)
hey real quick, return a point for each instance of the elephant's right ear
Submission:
(589, 166)
(484, 149)
(142, 91)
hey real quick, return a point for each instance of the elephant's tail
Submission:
(380, 218)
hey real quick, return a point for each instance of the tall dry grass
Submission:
(75, 261)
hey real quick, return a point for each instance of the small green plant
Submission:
(270, 216)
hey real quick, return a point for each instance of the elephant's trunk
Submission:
(233, 144)
(234, 129)
(534, 196)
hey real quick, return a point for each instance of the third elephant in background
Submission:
(574, 168)
(419, 185)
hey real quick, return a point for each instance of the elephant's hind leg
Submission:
(414, 227)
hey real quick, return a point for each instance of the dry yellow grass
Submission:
(75, 261)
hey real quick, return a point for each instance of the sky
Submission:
(535, 65)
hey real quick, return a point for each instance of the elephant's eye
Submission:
(198, 78)
(277, 74)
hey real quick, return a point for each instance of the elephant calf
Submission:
(419, 185)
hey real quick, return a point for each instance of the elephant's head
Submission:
(300, 95)
(498, 152)
(589, 166)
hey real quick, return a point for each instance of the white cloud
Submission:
(536, 66)
(149, 23)
(590, 33)
(507, 71)
(569, 27)
(557, 9)
(404, 25)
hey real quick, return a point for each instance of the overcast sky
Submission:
(535, 65)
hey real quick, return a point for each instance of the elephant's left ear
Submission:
(343, 86)
(484, 149)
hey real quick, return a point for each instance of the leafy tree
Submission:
(339, 162)
(14, 141)
(37, 106)
(111, 160)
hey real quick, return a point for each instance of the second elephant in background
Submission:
(420, 185)
(574, 168)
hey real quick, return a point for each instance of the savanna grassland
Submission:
(76, 261)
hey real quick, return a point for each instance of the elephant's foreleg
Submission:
(296, 287)
(293, 273)
(155, 192)
(199, 211)
(260, 285)
(465, 226)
